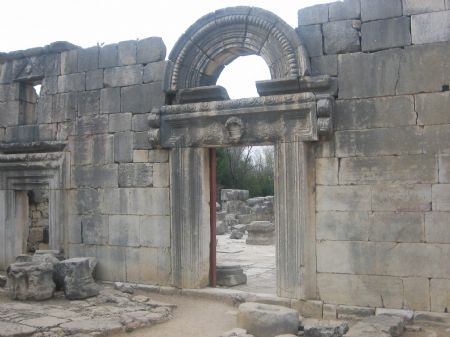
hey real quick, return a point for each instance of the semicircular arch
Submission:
(218, 38)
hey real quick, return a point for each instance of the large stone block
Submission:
(102, 149)
(313, 15)
(140, 122)
(155, 71)
(444, 169)
(151, 49)
(123, 147)
(94, 79)
(324, 65)
(155, 231)
(142, 265)
(341, 37)
(379, 142)
(81, 149)
(439, 295)
(420, 6)
(350, 226)
(94, 229)
(312, 38)
(361, 290)
(416, 293)
(342, 10)
(69, 62)
(90, 125)
(123, 76)
(30, 281)
(87, 200)
(401, 198)
(430, 27)
(65, 107)
(141, 140)
(110, 100)
(396, 227)
(327, 170)
(380, 9)
(433, 108)
(140, 156)
(158, 156)
(88, 59)
(384, 34)
(436, 139)
(396, 169)
(142, 98)
(378, 70)
(441, 197)
(115, 201)
(111, 263)
(124, 230)
(415, 73)
(72, 82)
(437, 229)
(161, 174)
(9, 92)
(95, 176)
(149, 201)
(9, 113)
(109, 56)
(135, 175)
(375, 113)
(120, 122)
(265, 320)
(89, 102)
(127, 52)
(343, 198)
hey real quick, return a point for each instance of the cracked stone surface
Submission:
(111, 312)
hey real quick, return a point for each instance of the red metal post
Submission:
(212, 209)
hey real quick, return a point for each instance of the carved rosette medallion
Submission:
(235, 129)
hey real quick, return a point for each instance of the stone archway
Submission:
(289, 116)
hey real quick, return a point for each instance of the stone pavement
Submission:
(257, 261)
(112, 311)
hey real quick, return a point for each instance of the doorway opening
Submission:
(245, 220)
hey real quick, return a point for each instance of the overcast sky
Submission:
(33, 23)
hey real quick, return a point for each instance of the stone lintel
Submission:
(259, 120)
(33, 147)
(293, 85)
(202, 94)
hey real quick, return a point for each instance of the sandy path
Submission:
(193, 317)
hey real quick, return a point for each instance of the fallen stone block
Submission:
(382, 325)
(2, 281)
(221, 227)
(230, 275)
(265, 320)
(31, 281)
(125, 288)
(261, 233)
(236, 234)
(236, 332)
(407, 315)
(436, 317)
(77, 277)
(324, 328)
(353, 312)
(23, 258)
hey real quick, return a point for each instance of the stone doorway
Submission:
(198, 116)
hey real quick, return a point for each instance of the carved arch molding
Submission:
(295, 111)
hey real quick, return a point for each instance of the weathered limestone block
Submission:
(439, 294)
(433, 108)
(141, 98)
(127, 52)
(381, 325)
(123, 147)
(312, 38)
(441, 197)
(342, 226)
(76, 276)
(109, 56)
(89, 102)
(110, 100)
(396, 227)
(308, 308)
(120, 122)
(72, 82)
(95, 229)
(416, 75)
(95, 176)
(264, 320)
(124, 230)
(384, 34)
(221, 227)
(381, 67)
(31, 280)
(227, 195)
(155, 231)
(88, 59)
(9, 113)
(327, 171)
(430, 27)
(341, 37)
(420, 6)
(94, 79)
(236, 234)
(135, 175)
(380, 9)
(329, 311)
(154, 72)
(260, 233)
(230, 275)
(324, 65)
(90, 125)
(324, 328)
(436, 227)
(416, 293)
(401, 198)
(313, 15)
(150, 50)
(123, 76)
(343, 198)
(354, 312)
(347, 9)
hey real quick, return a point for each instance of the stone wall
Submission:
(383, 182)
(95, 102)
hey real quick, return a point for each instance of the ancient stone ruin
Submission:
(112, 159)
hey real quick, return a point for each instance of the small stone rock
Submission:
(229, 275)
(236, 234)
(236, 332)
(413, 328)
(324, 328)
(140, 299)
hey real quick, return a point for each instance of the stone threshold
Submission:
(307, 308)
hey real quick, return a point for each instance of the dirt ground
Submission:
(194, 317)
